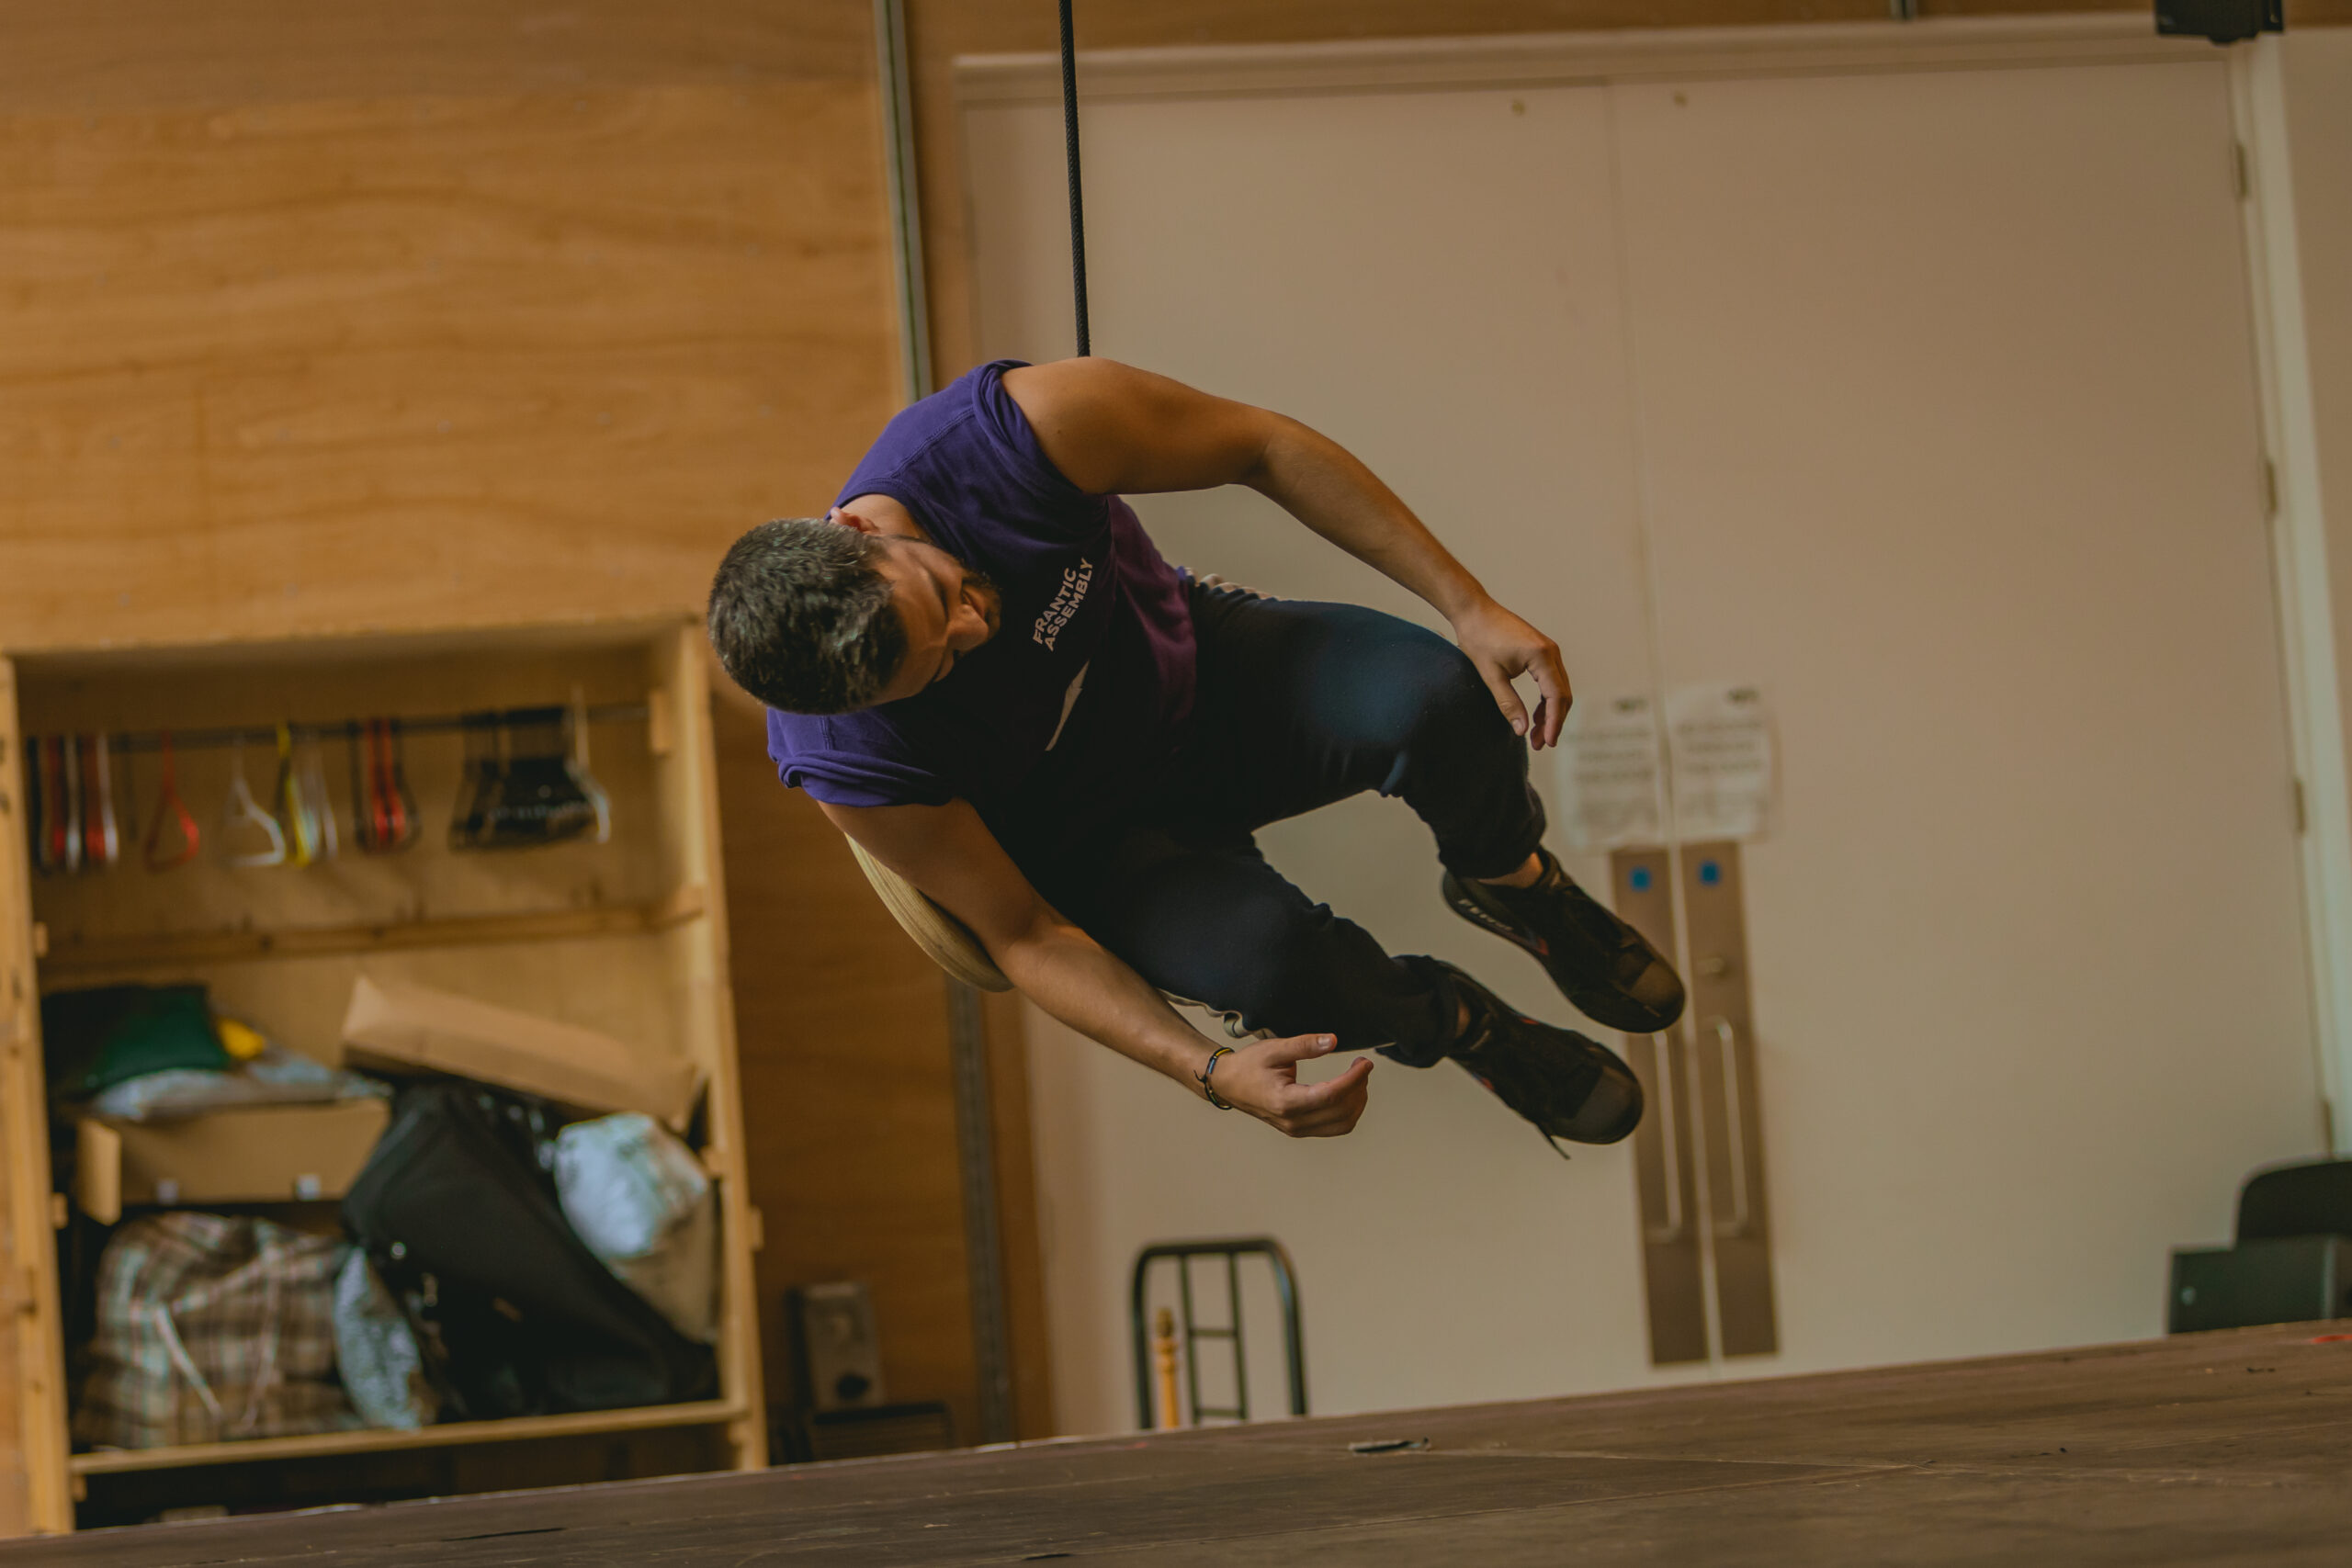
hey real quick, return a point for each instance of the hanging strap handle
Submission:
(169, 804)
(314, 787)
(380, 813)
(48, 840)
(399, 814)
(287, 801)
(101, 839)
(68, 794)
(243, 810)
(575, 720)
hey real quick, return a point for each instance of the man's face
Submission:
(947, 608)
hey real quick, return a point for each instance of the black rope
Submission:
(1077, 202)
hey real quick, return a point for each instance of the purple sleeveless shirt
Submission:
(1080, 699)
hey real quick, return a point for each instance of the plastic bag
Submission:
(375, 1351)
(275, 1076)
(641, 1203)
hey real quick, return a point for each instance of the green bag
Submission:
(92, 1040)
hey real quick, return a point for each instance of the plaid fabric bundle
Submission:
(212, 1328)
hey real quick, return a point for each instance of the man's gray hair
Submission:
(801, 618)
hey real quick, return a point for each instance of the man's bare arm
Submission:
(949, 854)
(1110, 428)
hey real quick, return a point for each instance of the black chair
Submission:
(2309, 1198)
(1182, 1253)
(2292, 1260)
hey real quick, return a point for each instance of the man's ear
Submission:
(849, 519)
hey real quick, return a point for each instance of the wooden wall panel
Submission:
(1022, 1229)
(849, 1103)
(848, 1086)
(98, 56)
(424, 361)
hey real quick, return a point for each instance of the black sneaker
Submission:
(1568, 1086)
(1601, 964)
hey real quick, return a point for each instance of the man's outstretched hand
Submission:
(1263, 1079)
(1504, 646)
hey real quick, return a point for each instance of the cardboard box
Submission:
(260, 1155)
(404, 1028)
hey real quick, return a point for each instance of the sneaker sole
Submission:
(1610, 1008)
(1617, 1077)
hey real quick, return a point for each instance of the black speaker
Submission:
(834, 1347)
(2293, 1278)
(2222, 21)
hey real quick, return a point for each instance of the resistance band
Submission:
(170, 808)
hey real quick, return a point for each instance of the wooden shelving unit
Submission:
(628, 937)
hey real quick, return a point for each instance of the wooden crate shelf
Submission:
(627, 933)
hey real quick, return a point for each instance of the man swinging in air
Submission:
(982, 669)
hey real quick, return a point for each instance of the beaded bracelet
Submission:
(1203, 1076)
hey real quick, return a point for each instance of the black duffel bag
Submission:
(518, 1316)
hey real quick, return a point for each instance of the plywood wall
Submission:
(851, 1127)
(289, 345)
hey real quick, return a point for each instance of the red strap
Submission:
(167, 800)
(387, 812)
(60, 818)
(94, 803)
(397, 787)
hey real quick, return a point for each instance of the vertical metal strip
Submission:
(905, 196)
(1191, 1338)
(983, 1243)
(1665, 1156)
(1233, 1319)
(1721, 1025)
(1138, 1285)
(967, 1028)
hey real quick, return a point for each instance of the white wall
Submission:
(1445, 305)
(1990, 1143)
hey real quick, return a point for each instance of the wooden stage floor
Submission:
(2223, 1448)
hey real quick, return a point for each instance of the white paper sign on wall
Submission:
(1607, 774)
(1719, 740)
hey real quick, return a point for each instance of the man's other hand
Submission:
(1263, 1080)
(1503, 647)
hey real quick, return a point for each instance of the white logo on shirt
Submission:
(1070, 701)
(1075, 581)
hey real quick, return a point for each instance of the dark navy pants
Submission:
(1300, 704)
